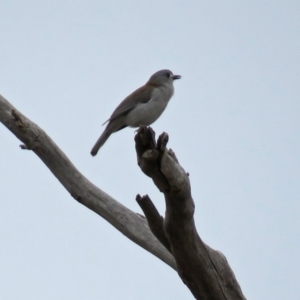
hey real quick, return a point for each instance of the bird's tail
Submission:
(100, 142)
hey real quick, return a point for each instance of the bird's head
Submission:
(163, 77)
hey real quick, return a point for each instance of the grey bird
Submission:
(141, 108)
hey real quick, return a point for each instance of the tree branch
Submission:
(205, 271)
(131, 224)
(175, 240)
(155, 220)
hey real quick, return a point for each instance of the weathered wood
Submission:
(155, 220)
(205, 271)
(131, 224)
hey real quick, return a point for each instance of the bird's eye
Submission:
(168, 75)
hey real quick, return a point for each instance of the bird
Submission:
(142, 107)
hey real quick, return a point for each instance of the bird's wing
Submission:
(141, 95)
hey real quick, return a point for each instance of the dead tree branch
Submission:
(205, 271)
(126, 221)
(173, 239)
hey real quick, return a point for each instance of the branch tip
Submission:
(24, 147)
(162, 141)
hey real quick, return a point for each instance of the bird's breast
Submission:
(147, 113)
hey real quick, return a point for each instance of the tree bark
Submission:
(173, 239)
(205, 271)
(131, 224)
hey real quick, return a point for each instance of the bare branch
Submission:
(132, 225)
(176, 242)
(155, 220)
(205, 271)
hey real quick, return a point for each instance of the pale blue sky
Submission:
(233, 123)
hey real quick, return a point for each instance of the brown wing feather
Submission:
(141, 95)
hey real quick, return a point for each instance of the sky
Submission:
(233, 123)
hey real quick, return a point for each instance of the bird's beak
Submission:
(176, 77)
